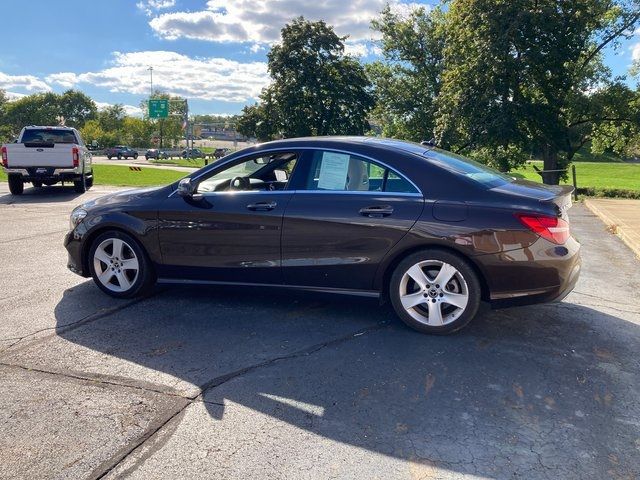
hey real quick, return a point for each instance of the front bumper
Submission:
(73, 244)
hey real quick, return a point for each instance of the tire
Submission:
(80, 185)
(89, 181)
(421, 303)
(16, 185)
(37, 184)
(146, 158)
(135, 156)
(119, 157)
(108, 157)
(115, 278)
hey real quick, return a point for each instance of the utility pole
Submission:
(150, 70)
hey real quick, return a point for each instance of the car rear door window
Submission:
(339, 171)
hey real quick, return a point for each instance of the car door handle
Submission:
(262, 206)
(377, 211)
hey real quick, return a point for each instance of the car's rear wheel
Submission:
(435, 291)
(89, 181)
(16, 185)
(37, 184)
(119, 265)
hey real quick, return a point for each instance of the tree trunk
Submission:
(550, 157)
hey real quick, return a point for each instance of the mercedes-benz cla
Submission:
(433, 232)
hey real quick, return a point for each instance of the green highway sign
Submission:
(159, 108)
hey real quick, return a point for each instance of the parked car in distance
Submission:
(192, 153)
(433, 232)
(220, 152)
(155, 153)
(120, 152)
(46, 155)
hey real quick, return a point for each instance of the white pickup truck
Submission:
(45, 156)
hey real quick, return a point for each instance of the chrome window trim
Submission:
(329, 149)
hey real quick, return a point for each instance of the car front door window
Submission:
(263, 173)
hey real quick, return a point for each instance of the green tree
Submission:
(137, 132)
(36, 109)
(76, 108)
(111, 118)
(407, 81)
(528, 75)
(316, 88)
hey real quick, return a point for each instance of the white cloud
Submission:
(130, 110)
(203, 78)
(28, 82)
(11, 96)
(151, 6)
(635, 52)
(64, 79)
(260, 21)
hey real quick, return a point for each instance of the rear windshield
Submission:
(471, 169)
(43, 135)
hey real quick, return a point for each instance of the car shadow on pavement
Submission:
(54, 193)
(521, 391)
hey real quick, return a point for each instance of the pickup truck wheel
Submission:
(89, 181)
(16, 185)
(119, 265)
(37, 184)
(80, 185)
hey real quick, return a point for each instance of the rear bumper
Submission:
(44, 173)
(544, 272)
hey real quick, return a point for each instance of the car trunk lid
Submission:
(559, 196)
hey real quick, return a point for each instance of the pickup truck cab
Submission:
(45, 156)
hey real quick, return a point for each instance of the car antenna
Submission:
(429, 143)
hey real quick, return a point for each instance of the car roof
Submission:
(385, 143)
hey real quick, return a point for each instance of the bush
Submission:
(608, 192)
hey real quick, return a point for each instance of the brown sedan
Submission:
(433, 232)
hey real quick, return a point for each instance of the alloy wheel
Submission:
(116, 265)
(434, 293)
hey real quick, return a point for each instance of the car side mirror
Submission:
(186, 189)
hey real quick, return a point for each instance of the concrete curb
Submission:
(622, 230)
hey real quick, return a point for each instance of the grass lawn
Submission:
(182, 162)
(119, 175)
(594, 174)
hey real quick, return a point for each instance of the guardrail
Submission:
(562, 170)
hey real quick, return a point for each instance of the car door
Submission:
(230, 231)
(345, 215)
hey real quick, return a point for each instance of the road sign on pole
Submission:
(159, 108)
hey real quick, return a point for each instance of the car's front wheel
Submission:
(119, 265)
(435, 291)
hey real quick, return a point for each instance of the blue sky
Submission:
(211, 51)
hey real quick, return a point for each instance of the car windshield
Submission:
(45, 135)
(471, 169)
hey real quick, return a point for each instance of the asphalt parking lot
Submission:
(253, 383)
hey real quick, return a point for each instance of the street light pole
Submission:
(150, 69)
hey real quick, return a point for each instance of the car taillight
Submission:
(5, 159)
(76, 156)
(554, 229)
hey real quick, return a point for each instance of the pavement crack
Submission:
(216, 382)
(70, 326)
